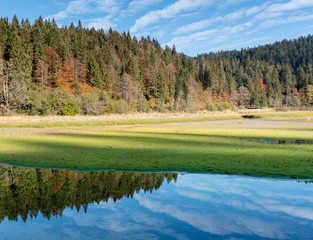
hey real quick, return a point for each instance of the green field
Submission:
(234, 146)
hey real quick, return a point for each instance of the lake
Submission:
(63, 204)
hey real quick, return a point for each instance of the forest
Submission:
(46, 69)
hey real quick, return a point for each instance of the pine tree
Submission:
(287, 79)
(160, 84)
(4, 29)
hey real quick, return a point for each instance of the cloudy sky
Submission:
(194, 26)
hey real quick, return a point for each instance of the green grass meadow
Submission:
(233, 146)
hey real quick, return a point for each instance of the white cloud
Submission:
(74, 8)
(107, 6)
(78, 7)
(169, 12)
(256, 9)
(291, 5)
(228, 3)
(252, 42)
(216, 35)
(193, 27)
(58, 3)
(273, 11)
(103, 22)
(236, 29)
(185, 41)
(231, 17)
(136, 6)
(268, 20)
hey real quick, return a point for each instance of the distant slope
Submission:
(297, 53)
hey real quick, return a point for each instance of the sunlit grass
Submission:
(226, 146)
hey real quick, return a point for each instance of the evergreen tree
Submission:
(287, 79)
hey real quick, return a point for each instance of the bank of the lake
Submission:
(235, 146)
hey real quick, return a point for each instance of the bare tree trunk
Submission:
(5, 85)
(42, 79)
(4, 81)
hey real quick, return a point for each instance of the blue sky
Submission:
(194, 26)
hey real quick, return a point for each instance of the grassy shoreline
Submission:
(132, 119)
(174, 172)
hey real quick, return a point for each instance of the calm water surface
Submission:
(58, 204)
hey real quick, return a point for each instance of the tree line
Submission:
(46, 69)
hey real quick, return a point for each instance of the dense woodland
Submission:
(46, 69)
(26, 192)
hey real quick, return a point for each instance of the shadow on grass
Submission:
(157, 138)
(180, 138)
(155, 152)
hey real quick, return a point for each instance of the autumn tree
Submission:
(65, 79)
(54, 65)
(41, 74)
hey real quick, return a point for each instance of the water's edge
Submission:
(273, 178)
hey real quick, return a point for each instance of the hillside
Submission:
(46, 69)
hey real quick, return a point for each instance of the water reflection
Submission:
(25, 192)
(286, 141)
(194, 206)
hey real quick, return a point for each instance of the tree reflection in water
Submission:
(25, 192)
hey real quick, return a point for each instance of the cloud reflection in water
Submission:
(197, 206)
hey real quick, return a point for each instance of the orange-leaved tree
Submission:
(80, 74)
(54, 65)
(65, 79)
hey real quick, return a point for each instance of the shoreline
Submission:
(20, 120)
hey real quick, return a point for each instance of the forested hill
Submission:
(297, 53)
(46, 69)
(284, 70)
